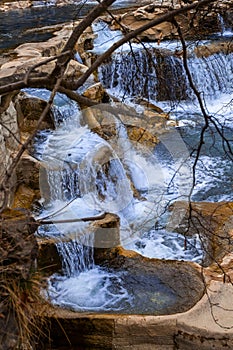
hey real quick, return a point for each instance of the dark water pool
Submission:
(14, 25)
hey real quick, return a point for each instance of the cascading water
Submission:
(147, 73)
(226, 30)
(84, 286)
(79, 188)
(82, 176)
(156, 73)
(160, 76)
(87, 177)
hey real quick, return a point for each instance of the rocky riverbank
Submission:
(7, 5)
(202, 316)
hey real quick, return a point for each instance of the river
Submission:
(21, 26)
(81, 185)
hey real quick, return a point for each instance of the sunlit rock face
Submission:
(7, 5)
(211, 221)
(9, 141)
(214, 48)
(142, 15)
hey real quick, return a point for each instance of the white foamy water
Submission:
(91, 290)
(87, 176)
(226, 31)
(214, 180)
(84, 286)
(105, 37)
(162, 244)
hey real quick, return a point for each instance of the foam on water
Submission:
(226, 31)
(91, 290)
(82, 188)
(84, 286)
(214, 180)
(162, 244)
(105, 37)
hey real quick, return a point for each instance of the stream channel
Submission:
(77, 182)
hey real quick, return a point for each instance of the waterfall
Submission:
(212, 75)
(80, 164)
(159, 77)
(76, 256)
(104, 37)
(129, 73)
(226, 30)
(83, 176)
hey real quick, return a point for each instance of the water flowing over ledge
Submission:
(80, 151)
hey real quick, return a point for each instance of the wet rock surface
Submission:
(213, 48)
(206, 22)
(184, 280)
(158, 287)
(143, 128)
(211, 221)
(147, 278)
(29, 110)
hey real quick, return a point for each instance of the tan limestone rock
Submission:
(24, 197)
(33, 57)
(132, 21)
(29, 110)
(95, 92)
(213, 48)
(212, 222)
(15, 5)
(208, 325)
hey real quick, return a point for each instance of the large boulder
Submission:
(212, 222)
(225, 47)
(191, 23)
(130, 21)
(142, 127)
(19, 67)
(29, 110)
(29, 55)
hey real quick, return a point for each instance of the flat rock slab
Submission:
(208, 325)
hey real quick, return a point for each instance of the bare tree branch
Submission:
(69, 47)
(57, 76)
(163, 18)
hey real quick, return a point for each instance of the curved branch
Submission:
(198, 96)
(163, 18)
(86, 219)
(84, 101)
(81, 27)
(65, 56)
(69, 47)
